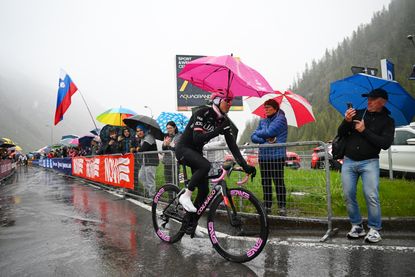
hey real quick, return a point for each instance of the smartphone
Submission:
(349, 105)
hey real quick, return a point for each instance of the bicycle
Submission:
(237, 224)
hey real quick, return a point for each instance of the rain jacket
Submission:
(148, 143)
(274, 126)
(126, 143)
(379, 133)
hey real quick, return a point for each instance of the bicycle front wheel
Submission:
(167, 214)
(238, 229)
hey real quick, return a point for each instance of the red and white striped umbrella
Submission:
(297, 109)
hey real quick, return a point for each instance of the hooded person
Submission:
(126, 141)
(205, 124)
(148, 162)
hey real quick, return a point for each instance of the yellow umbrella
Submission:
(18, 148)
(115, 116)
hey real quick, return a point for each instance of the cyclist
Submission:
(205, 124)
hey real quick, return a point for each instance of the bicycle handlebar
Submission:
(225, 172)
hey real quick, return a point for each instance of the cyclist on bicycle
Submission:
(205, 124)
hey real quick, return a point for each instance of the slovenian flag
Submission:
(66, 89)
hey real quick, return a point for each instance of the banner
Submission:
(189, 96)
(63, 165)
(115, 170)
(6, 167)
(388, 69)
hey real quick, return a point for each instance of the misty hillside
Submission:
(384, 38)
(27, 111)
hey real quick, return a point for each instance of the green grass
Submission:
(307, 197)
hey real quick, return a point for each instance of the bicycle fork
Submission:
(229, 206)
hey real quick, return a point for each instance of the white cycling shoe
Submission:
(186, 201)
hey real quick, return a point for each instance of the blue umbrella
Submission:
(400, 103)
(178, 118)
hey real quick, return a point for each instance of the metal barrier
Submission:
(302, 179)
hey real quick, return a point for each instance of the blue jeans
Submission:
(369, 171)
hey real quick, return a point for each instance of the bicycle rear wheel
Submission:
(238, 234)
(167, 214)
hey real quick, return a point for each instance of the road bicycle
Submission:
(237, 224)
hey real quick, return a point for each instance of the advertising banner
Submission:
(189, 96)
(388, 69)
(115, 170)
(63, 165)
(6, 167)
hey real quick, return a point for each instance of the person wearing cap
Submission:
(148, 162)
(272, 129)
(206, 123)
(365, 131)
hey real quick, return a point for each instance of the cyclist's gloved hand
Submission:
(251, 170)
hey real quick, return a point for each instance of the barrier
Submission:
(306, 198)
(7, 168)
(63, 165)
(114, 170)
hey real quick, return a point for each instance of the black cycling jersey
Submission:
(204, 125)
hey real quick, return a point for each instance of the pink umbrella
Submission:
(225, 73)
(297, 109)
(74, 142)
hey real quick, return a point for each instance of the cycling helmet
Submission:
(218, 96)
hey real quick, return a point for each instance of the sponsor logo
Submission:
(210, 196)
(78, 165)
(117, 170)
(254, 249)
(92, 168)
(240, 193)
(157, 197)
(212, 235)
(162, 235)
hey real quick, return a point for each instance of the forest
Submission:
(385, 37)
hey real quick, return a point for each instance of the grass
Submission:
(307, 196)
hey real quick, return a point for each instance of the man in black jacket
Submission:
(366, 132)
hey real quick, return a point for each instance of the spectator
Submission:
(126, 142)
(169, 160)
(111, 146)
(148, 162)
(95, 146)
(272, 129)
(366, 132)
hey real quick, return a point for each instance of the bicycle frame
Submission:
(220, 189)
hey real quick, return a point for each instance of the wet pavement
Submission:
(51, 225)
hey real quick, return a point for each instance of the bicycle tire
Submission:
(244, 241)
(167, 223)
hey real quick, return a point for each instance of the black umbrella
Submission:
(234, 129)
(149, 122)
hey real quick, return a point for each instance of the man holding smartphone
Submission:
(366, 132)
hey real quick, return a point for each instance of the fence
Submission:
(302, 179)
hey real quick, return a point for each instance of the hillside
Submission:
(384, 37)
(27, 111)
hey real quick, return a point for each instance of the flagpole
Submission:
(88, 109)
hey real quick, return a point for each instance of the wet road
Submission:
(51, 225)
